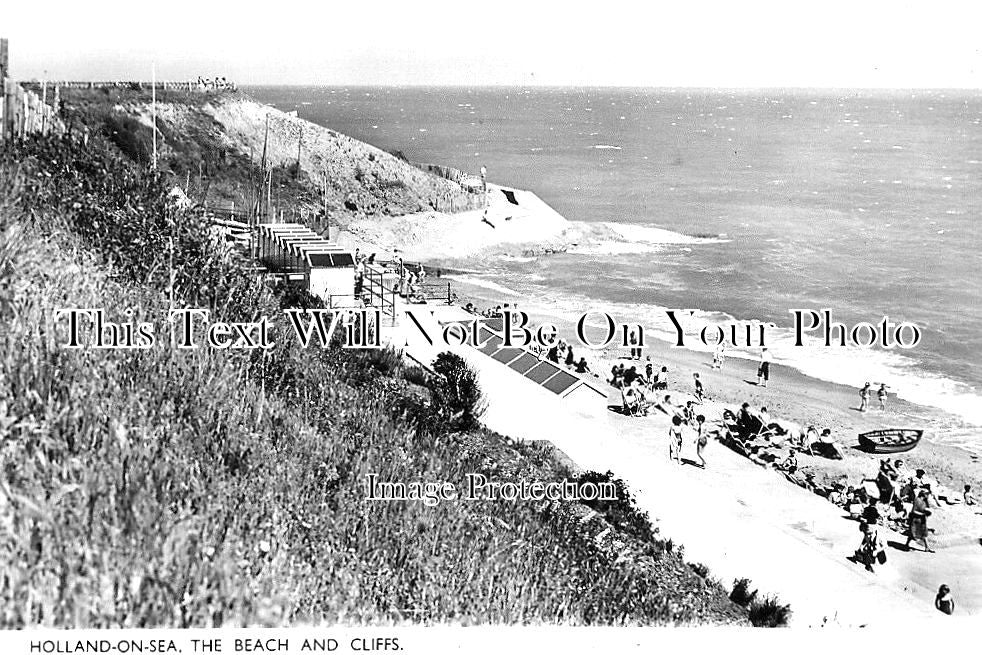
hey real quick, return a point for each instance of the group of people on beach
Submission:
(562, 353)
(638, 389)
(410, 284)
(698, 434)
(747, 425)
(498, 311)
(905, 498)
(866, 392)
(904, 501)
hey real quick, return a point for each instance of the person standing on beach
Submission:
(702, 439)
(917, 522)
(675, 439)
(764, 370)
(881, 395)
(633, 340)
(864, 395)
(698, 383)
(718, 356)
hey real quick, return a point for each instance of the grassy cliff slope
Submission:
(212, 145)
(198, 488)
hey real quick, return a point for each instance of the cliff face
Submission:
(213, 145)
(360, 178)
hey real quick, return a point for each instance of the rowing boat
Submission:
(893, 440)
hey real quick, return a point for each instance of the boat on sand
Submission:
(892, 440)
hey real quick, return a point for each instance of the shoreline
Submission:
(792, 396)
(756, 503)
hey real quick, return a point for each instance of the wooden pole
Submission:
(262, 167)
(299, 143)
(327, 221)
(153, 102)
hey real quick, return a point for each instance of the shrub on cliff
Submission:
(769, 613)
(457, 391)
(622, 513)
(741, 594)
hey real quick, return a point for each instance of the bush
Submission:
(769, 613)
(131, 136)
(622, 513)
(741, 594)
(700, 569)
(371, 363)
(416, 375)
(457, 391)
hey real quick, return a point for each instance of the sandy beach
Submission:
(766, 494)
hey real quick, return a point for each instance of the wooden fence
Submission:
(471, 196)
(25, 112)
(200, 85)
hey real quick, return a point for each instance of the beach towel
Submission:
(510, 195)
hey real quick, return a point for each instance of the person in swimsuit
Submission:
(702, 439)
(718, 356)
(698, 383)
(864, 395)
(675, 439)
(943, 601)
(881, 395)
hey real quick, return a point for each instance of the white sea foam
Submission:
(604, 146)
(850, 365)
(604, 238)
(640, 233)
(484, 284)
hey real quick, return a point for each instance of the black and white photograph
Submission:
(449, 326)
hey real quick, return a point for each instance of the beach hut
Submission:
(326, 269)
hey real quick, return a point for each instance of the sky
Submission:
(748, 44)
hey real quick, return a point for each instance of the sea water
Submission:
(738, 204)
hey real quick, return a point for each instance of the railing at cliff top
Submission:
(202, 86)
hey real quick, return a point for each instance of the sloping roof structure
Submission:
(303, 244)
